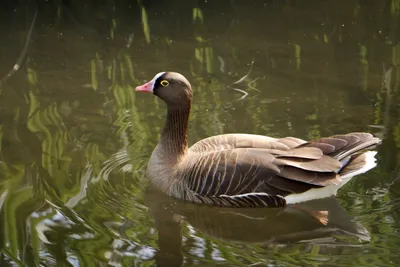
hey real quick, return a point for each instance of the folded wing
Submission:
(251, 171)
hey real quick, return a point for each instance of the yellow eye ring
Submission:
(164, 83)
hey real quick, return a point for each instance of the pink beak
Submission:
(147, 87)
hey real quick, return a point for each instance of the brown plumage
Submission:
(245, 170)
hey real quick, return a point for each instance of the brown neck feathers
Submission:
(174, 138)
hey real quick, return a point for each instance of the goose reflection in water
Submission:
(323, 222)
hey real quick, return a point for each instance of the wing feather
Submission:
(323, 164)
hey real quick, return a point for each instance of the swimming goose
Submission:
(247, 170)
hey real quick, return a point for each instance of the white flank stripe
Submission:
(332, 189)
(247, 194)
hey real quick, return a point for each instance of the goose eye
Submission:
(164, 83)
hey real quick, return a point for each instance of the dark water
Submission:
(75, 137)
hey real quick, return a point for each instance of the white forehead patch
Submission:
(158, 75)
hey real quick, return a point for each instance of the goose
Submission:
(247, 170)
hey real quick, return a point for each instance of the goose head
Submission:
(172, 87)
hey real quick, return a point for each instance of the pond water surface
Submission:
(75, 137)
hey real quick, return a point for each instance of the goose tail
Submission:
(356, 154)
(357, 164)
(353, 150)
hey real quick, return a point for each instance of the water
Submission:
(75, 137)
